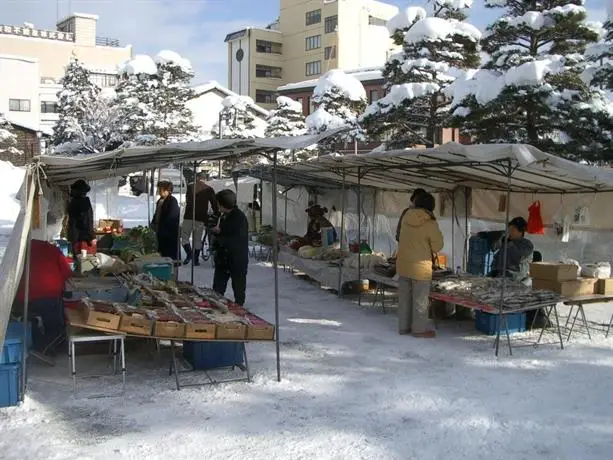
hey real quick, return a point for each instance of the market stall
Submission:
(454, 169)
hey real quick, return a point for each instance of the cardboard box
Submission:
(605, 286)
(260, 332)
(100, 319)
(204, 331)
(135, 325)
(553, 271)
(231, 331)
(570, 288)
(169, 329)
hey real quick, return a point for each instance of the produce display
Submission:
(487, 291)
(176, 310)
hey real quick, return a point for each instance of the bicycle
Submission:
(207, 238)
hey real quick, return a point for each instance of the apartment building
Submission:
(309, 38)
(32, 63)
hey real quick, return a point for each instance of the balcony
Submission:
(22, 31)
(105, 41)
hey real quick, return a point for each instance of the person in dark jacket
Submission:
(205, 196)
(519, 252)
(418, 191)
(80, 225)
(317, 221)
(165, 221)
(231, 247)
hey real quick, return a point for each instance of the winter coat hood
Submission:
(418, 217)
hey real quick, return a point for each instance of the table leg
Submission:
(115, 357)
(609, 328)
(246, 363)
(374, 302)
(174, 363)
(555, 311)
(506, 328)
(587, 328)
(570, 313)
(74, 365)
(123, 363)
(572, 326)
(547, 312)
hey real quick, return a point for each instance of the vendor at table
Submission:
(80, 223)
(317, 221)
(519, 252)
(165, 221)
(49, 272)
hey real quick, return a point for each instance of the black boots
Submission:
(188, 250)
(195, 254)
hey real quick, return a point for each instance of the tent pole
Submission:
(340, 267)
(453, 213)
(374, 218)
(466, 236)
(285, 212)
(359, 236)
(26, 294)
(180, 204)
(504, 258)
(193, 221)
(147, 190)
(275, 260)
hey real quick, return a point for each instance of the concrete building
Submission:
(32, 63)
(309, 38)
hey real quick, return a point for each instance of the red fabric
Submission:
(49, 271)
(535, 221)
(90, 247)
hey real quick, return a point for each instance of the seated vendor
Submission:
(317, 221)
(519, 252)
(49, 272)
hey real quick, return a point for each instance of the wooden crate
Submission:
(169, 329)
(231, 331)
(204, 331)
(100, 319)
(135, 325)
(260, 332)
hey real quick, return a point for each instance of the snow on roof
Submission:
(350, 86)
(434, 29)
(79, 15)
(398, 94)
(19, 58)
(171, 57)
(362, 74)
(43, 129)
(215, 86)
(284, 101)
(405, 18)
(237, 101)
(141, 64)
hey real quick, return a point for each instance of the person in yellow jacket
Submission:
(420, 238)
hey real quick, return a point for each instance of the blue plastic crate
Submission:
(9, 385)
(480, 257)
(488, 322)
(162, 272)
(15, 329)
(213, 355)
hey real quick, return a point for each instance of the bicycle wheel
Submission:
(206, 253)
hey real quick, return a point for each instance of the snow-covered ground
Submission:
(352, 388)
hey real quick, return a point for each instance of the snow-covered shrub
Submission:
(287, 120)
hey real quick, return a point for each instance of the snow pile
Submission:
(237, 119)
(399, 94)
(349, 86)
(171, 57)
(141, 64)
(321, 120)
(438, 29)
(537, 20)
(284, 102)
(8, 139)
(405, 19)
(237, 102)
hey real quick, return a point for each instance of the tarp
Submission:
(446, 167)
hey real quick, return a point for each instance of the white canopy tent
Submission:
(60, 171)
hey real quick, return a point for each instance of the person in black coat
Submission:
(80, 225)
(165, 221)
(231, 247)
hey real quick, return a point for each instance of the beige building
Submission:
(309, 38)
(32, 62)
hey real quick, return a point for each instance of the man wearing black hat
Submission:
(519, 252)
(231, 247)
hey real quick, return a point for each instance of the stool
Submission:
(113, 340)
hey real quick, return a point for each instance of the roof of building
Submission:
(242, 32)
(79, 15)
(215, 86)
(28, 127)
(363, 74)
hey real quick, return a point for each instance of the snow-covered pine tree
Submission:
(8, 139)
(435, 51)
(600, 73)
(76, 95)
(339, 99)
(237, 120)
(174, 121)
(134, 100)
(531, 90)
(287, 120)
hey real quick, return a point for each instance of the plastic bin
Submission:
(213, 355)
(488, 323)
(161, 271)
(9, 385)
(13, 343)
(15, 329)
(480, 257)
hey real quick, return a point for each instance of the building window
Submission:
(312, 43)
(373, 96)
(329, 52)
(104, 80)
(48, 107)
(265, 71)
(264, 97)
(313, 68)
(19, 105)
(264, 46)
(373, 21)
(313, 17)
(331, 24)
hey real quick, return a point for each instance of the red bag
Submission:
(535, 221)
